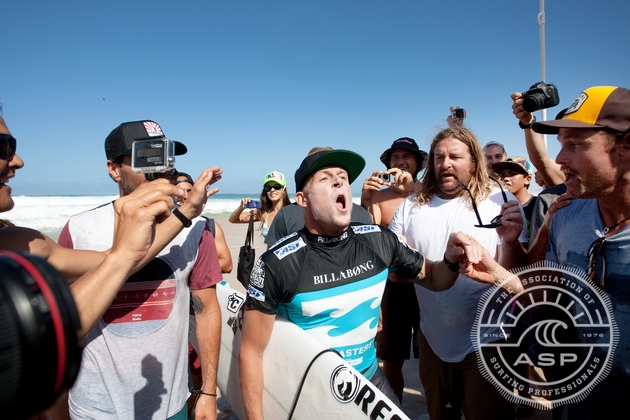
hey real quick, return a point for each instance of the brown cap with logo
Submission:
(596, 107)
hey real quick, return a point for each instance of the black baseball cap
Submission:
(406, 143)
(120, 140)
(353, 163)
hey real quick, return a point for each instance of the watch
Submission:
(526, 126)
(454, 267)
(185, 220)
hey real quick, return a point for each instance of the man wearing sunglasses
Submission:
(458, 195)
(591, 232)
(9, 163)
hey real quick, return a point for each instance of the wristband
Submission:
(454, 267)
(526, 126)
(185, 220)
(200, 392)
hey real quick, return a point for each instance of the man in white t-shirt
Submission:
(448, 366)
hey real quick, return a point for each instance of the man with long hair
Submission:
(457, 195)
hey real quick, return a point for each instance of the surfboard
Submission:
(331, 388)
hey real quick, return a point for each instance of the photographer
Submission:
(137, 239)
(548, 169)
(145, 329)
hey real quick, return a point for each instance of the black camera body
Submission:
(40, 343)
(540, 96)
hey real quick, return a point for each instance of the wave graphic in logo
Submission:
(550, 344)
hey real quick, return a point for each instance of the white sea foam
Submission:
(49, 214)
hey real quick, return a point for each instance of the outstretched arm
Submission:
(473, 260)
(94, 291)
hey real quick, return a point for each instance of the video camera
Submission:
(40, 345)
(540, 96)
(155, 158)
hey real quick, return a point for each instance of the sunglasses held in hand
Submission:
(496, 221)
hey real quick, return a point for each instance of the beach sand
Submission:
(414, 403)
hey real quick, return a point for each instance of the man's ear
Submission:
(624, 142)
(301, 199)
(114, 170)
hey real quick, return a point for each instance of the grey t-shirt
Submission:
(573, 229)
(291, 219)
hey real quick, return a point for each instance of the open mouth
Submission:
(340, 202)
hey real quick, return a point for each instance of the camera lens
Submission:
(534, 101)
(40, 350)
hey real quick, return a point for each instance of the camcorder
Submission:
(155, 158)
(40, 344)
(253, 204)
(540, 96)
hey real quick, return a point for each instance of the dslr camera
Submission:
(153, 156)
(540, 96)
(39, 335)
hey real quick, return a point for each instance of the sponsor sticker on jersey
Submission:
(257, 276)
(289, 248)
(365, 229)
(283, 238)
(255, 293)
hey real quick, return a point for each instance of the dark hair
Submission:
(185, 175)
(266, 203)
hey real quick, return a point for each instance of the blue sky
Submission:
(251, 86)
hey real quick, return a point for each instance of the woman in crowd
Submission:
(273, 197)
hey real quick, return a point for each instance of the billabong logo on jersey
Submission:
(365, 229)
(344, 274)
(255, 293)
(257, 276)
(289, 249)
(328, 239)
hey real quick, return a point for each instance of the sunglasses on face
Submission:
(8, 146)
(276, 187)
(594, 251)
(494, 223)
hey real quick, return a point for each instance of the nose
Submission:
(16, 162)
(561, 159)
(337, 181)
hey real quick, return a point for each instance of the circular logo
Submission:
(550, 344)
(344, 384)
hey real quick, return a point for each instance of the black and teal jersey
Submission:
(332, 286)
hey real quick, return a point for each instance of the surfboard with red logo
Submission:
(331, 388)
